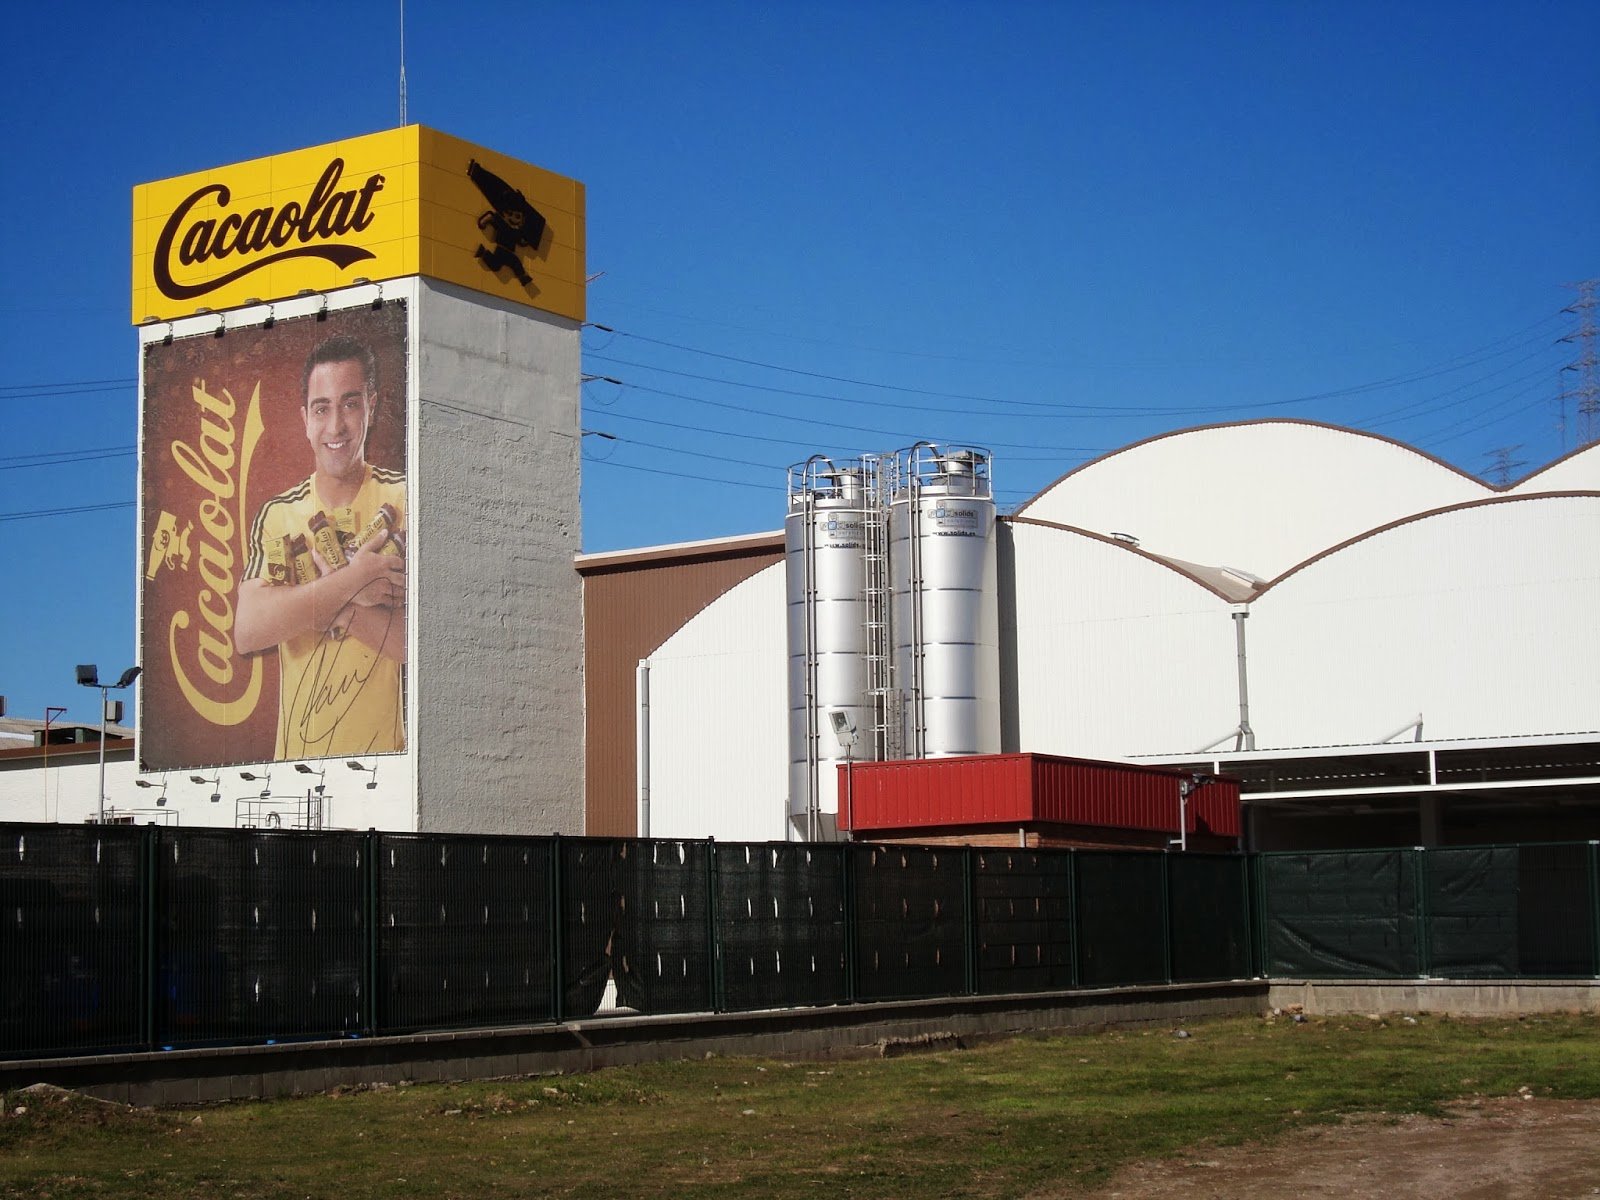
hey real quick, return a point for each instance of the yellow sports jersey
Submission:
(336, 695)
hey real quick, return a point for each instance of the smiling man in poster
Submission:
(325, 579)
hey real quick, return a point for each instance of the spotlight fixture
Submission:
(305, 770)
(372, 770)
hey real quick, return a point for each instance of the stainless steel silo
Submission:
(825, 541)
(945, 620)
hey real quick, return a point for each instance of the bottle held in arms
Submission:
(326, 539)
(386, 519)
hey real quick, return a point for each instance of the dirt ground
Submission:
(1484, 1149)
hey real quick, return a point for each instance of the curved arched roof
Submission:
(1577, 471)
(1258, 496)
(1478, 617)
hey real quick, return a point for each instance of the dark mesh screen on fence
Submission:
(463, 931)
(1208, 897)
(262, 936)
(910, 913)
(636, 911)
(1555, 911)
(1122, 920)
(1472, 912)
(1341, 914)
(69, 939)
(117, 937)
(1024, 919)
(780, 924)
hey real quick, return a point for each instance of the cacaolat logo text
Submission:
(203, 229)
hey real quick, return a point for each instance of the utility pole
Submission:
(1502, 464)
(1584, 369)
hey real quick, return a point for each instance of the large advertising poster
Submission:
(273, 617)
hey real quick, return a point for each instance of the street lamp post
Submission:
(51, 712)
(89, 676)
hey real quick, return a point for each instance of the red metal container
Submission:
(1028, 789)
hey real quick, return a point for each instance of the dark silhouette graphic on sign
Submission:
(510, 223)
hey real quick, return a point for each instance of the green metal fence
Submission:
(117, 938)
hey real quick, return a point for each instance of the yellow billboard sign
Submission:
(408, 201)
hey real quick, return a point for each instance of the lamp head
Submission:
(88, 675)
(127, 677)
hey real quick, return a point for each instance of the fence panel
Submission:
(1472, 912)
(1210, 916)
(260, 935)
(1341, 914)
(636, 911)
(911, 911)
(1555, 912)
(780, 925)
(69, 939)
(1024, 919)
(1121, 918)
(463, 931)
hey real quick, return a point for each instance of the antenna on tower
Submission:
(1585, 389)
(402, 63)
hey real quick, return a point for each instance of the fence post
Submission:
(149, 932)
(558, 982)
(969, 930)
(1594, 908)
(370, 924)
(1166, 915)
(1075, 927)
(713, 944)
(847, 885)
(1259, 915)
(1252, 971)
(1424, 938)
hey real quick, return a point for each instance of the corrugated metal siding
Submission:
(628, 611)
(937, 791)
(1019, 789)
(1122, 797)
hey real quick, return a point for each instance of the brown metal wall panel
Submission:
(629, 608)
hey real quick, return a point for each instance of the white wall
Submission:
(1261, 496)
(1483, 619)
(1579, 471)
(65, 791)
(1116, 654)
(719, 719)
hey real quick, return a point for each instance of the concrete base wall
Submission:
(1454, 997)
(255, 1072)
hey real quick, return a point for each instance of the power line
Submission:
(1458, 362)
(65, 383)
(64, 512)
(891, 434)
(67, 459)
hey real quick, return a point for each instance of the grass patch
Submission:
(1045, 1116)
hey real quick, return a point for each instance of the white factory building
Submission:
(1385, 649)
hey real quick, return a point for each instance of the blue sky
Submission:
(1049, 229)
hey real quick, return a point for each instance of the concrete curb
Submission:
(210, 1074)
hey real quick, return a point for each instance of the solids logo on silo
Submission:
(202, 229)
